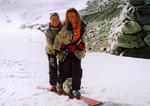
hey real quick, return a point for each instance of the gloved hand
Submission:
(56, 52)
(81, 46)
(63, 47)
(52, 52)
(72, 48)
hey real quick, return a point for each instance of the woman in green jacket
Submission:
(50, 33)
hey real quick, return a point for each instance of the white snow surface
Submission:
(114, 80)
(35, 11)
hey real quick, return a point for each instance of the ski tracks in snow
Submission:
(18, 85)
(18, 80)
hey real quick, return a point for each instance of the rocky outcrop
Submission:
(133, 37)
(101, 16)
(41, 27)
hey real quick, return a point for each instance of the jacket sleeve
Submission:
(49, 47)
(48, 39)
(57, 42)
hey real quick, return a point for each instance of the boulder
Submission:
(146, 28)
(130, 27)
(129, 41)
(147, 39)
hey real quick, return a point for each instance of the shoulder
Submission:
(47, 29)
(64, 32)
(64, 28)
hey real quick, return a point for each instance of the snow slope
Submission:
(120, 80)
(24, 66)
(117, 81)
(35, 11)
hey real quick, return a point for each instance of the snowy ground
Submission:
(117, 81)
(23, 66)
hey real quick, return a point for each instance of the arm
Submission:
(48, 38)
(49, 48)
(57, 42)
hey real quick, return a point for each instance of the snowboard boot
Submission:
(53, 89)
(76, 94)
(59, 88)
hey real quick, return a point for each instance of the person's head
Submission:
(54, 19)
(72, 16)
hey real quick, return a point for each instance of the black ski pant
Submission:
(70, 68)
(52, 69)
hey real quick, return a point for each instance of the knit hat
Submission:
(54, 14)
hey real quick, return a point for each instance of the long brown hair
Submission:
(76, 13)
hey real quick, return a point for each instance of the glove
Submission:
(81, 46)
(72, 48)
(56, 52)
(63, 47)
(52, 52)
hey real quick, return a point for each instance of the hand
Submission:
(56, 52)
(63, 47)
(81, 46)
(72, 48)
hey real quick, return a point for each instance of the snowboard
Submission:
(88, 100)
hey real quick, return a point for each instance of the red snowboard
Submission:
(89, 101)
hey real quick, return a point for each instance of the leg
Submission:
(76, 73)
(61, 71)
(64, 70)
(52, 69)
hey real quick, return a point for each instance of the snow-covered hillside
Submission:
(116, 81)
(36, 11)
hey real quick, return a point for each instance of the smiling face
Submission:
(54, 21)
(72, 17)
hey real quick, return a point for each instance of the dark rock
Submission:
(136, 2)
(129, 41)
(147, 39)
(146, 28)
(147, 1)
(142, 19)
(117, 50)
(144, 9)
(139, 53)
